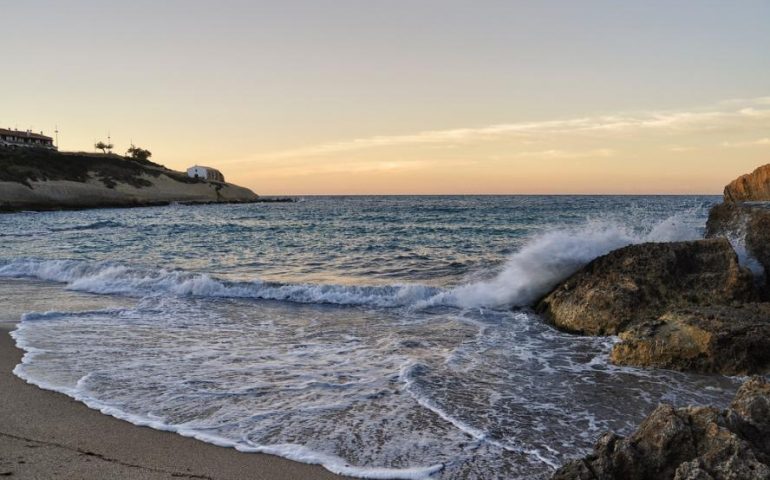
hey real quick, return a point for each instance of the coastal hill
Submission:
(40, 179)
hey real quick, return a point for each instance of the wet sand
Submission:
(47, 435)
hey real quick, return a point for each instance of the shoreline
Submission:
(45, 434)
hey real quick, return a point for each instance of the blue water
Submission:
(382, 337)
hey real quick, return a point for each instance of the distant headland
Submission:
(34, 175)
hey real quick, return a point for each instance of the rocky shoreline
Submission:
(691, 443)
(688, 306)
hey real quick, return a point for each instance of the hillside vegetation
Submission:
(38, 179)
(25, 165)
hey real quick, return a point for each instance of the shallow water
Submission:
(373, 335)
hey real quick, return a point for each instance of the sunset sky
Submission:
(389, 97)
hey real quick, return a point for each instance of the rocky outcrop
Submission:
(732, 340)
(752, 187)
(641, 282)
(747, 223)
(693, 443)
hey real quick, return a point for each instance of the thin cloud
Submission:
(726, 115)
(749, 143)
(679, 148)
(556, 154)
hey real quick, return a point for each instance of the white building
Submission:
(206, 173)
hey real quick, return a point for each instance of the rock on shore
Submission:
(692, 443)
(685, 306)
(748, 223)
(731, 340)
(641, 282)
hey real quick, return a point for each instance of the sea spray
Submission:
(549, 258)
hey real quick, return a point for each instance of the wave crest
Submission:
(547, 259)
(539, 265)
(114, 278)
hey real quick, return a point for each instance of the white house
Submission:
(206, 173)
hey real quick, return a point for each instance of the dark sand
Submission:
(47, 435)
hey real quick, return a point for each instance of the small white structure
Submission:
(206, 173)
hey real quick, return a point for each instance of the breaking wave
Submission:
(540, 264)
(549, 258)
(114, 278)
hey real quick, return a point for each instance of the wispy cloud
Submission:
(554, 154)
(749, 143)
(680, 148)
(734, 114)
(352, 167)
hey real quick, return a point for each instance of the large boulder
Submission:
(641, 282)
(752, 187)
(693, 443)
(731, 340)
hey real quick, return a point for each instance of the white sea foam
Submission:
(374, 393)
(113, 278)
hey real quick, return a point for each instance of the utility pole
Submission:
(56, 132)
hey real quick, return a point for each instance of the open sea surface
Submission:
(382, 337)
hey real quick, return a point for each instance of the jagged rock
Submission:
(693, 443)
(747, 223)
(640, 282)
(758, 236)
(727, 219)
(731, 340)
(752, 187)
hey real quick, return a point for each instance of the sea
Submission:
(388, 337)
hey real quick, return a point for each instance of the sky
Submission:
(404, 97)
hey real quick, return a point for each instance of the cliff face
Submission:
(752, 187)
(43, 180)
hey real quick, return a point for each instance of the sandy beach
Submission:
(46, 435)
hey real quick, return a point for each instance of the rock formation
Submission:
(747, 223)
(692, 443)
(752, 187)
(641, 282)
(685, 306)
(732, 340)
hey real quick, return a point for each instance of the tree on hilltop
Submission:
(138, 153)
(103, 146)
